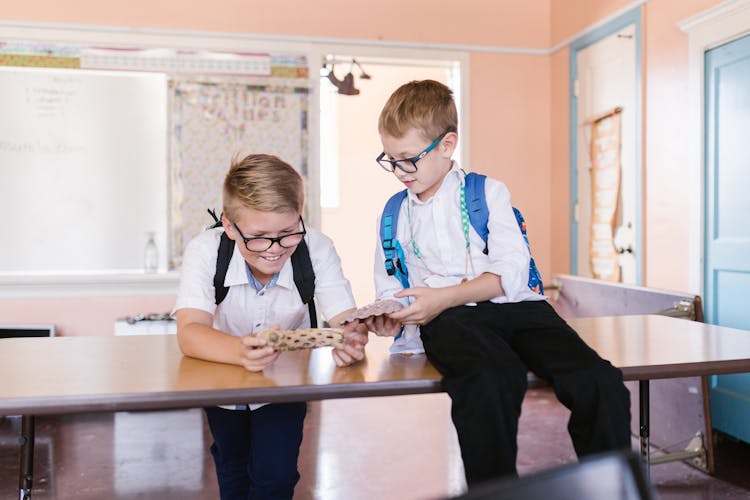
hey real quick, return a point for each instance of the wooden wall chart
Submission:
(605, 192)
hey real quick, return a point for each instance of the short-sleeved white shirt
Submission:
(436, 227)
(245, 310)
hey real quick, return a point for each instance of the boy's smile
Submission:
(251, 224)
(431, 168)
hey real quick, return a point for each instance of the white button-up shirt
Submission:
(246, 310)
(435, 225)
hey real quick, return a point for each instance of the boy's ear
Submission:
(449, 143)
(228, 228)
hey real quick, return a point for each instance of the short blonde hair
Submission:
(425, 105)
(264, 183)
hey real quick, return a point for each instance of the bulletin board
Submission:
(212, 122)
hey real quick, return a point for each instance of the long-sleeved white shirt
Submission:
(436, 228)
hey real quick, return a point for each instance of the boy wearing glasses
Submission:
(256, 446)
(472, 313)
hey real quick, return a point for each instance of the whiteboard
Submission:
(83, 169)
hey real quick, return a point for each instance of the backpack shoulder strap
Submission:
(535, 277)
(304, 279)
(394, 254)
(223, 256)
(476, 204)
(304, 276)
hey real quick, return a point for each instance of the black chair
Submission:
(610, 476)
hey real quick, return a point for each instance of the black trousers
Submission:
(484, 353)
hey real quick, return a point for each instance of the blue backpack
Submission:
(476, 203)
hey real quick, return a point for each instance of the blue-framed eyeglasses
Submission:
(261, 244)
(409, 165)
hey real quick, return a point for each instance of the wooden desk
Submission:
(84, 374)
(649, 347)
(148, 372)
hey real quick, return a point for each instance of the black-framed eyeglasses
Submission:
(409, 165)
(263, 243)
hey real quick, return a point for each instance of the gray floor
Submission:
(377, 448)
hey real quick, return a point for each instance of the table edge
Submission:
(211, 397)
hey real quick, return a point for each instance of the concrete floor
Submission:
(376, 448)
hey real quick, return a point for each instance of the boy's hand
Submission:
(355, 338)
(256, 355)
(383, 326)
(426, 305)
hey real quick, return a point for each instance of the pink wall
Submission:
(510, 135)
(666, 126)
(570, 17)
(559, 162)
(518, 107)
(500, 22)
(81, 316)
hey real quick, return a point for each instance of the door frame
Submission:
(631, 17)
(706, 30)
(317, 52)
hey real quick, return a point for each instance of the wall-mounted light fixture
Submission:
(346, 86)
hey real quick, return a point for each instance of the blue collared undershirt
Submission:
(259, 287)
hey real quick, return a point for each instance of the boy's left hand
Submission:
(355, 339)
(426, 304)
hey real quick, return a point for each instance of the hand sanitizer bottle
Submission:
(150, 254)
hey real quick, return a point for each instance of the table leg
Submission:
(25, 474)
(645, 417)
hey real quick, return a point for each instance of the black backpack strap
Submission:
(304, 278)
(223, 256)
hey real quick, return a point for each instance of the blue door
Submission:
(727, 224)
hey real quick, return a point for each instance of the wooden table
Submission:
(649, 347)
(148, 372)
(62, 375)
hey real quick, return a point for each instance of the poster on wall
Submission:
(605, 192)
(213, 121)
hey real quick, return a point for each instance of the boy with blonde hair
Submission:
(256, 446)
(472, 311)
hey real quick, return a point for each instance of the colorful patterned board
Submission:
(377, 308)
(304, 338)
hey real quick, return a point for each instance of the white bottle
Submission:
(150, 254)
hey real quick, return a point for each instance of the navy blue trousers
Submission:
(255, 452)
(484, 354)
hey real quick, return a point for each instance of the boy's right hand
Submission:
(383, 325)
(256, 355)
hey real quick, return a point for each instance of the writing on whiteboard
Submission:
(51, 99)
(54, 148)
